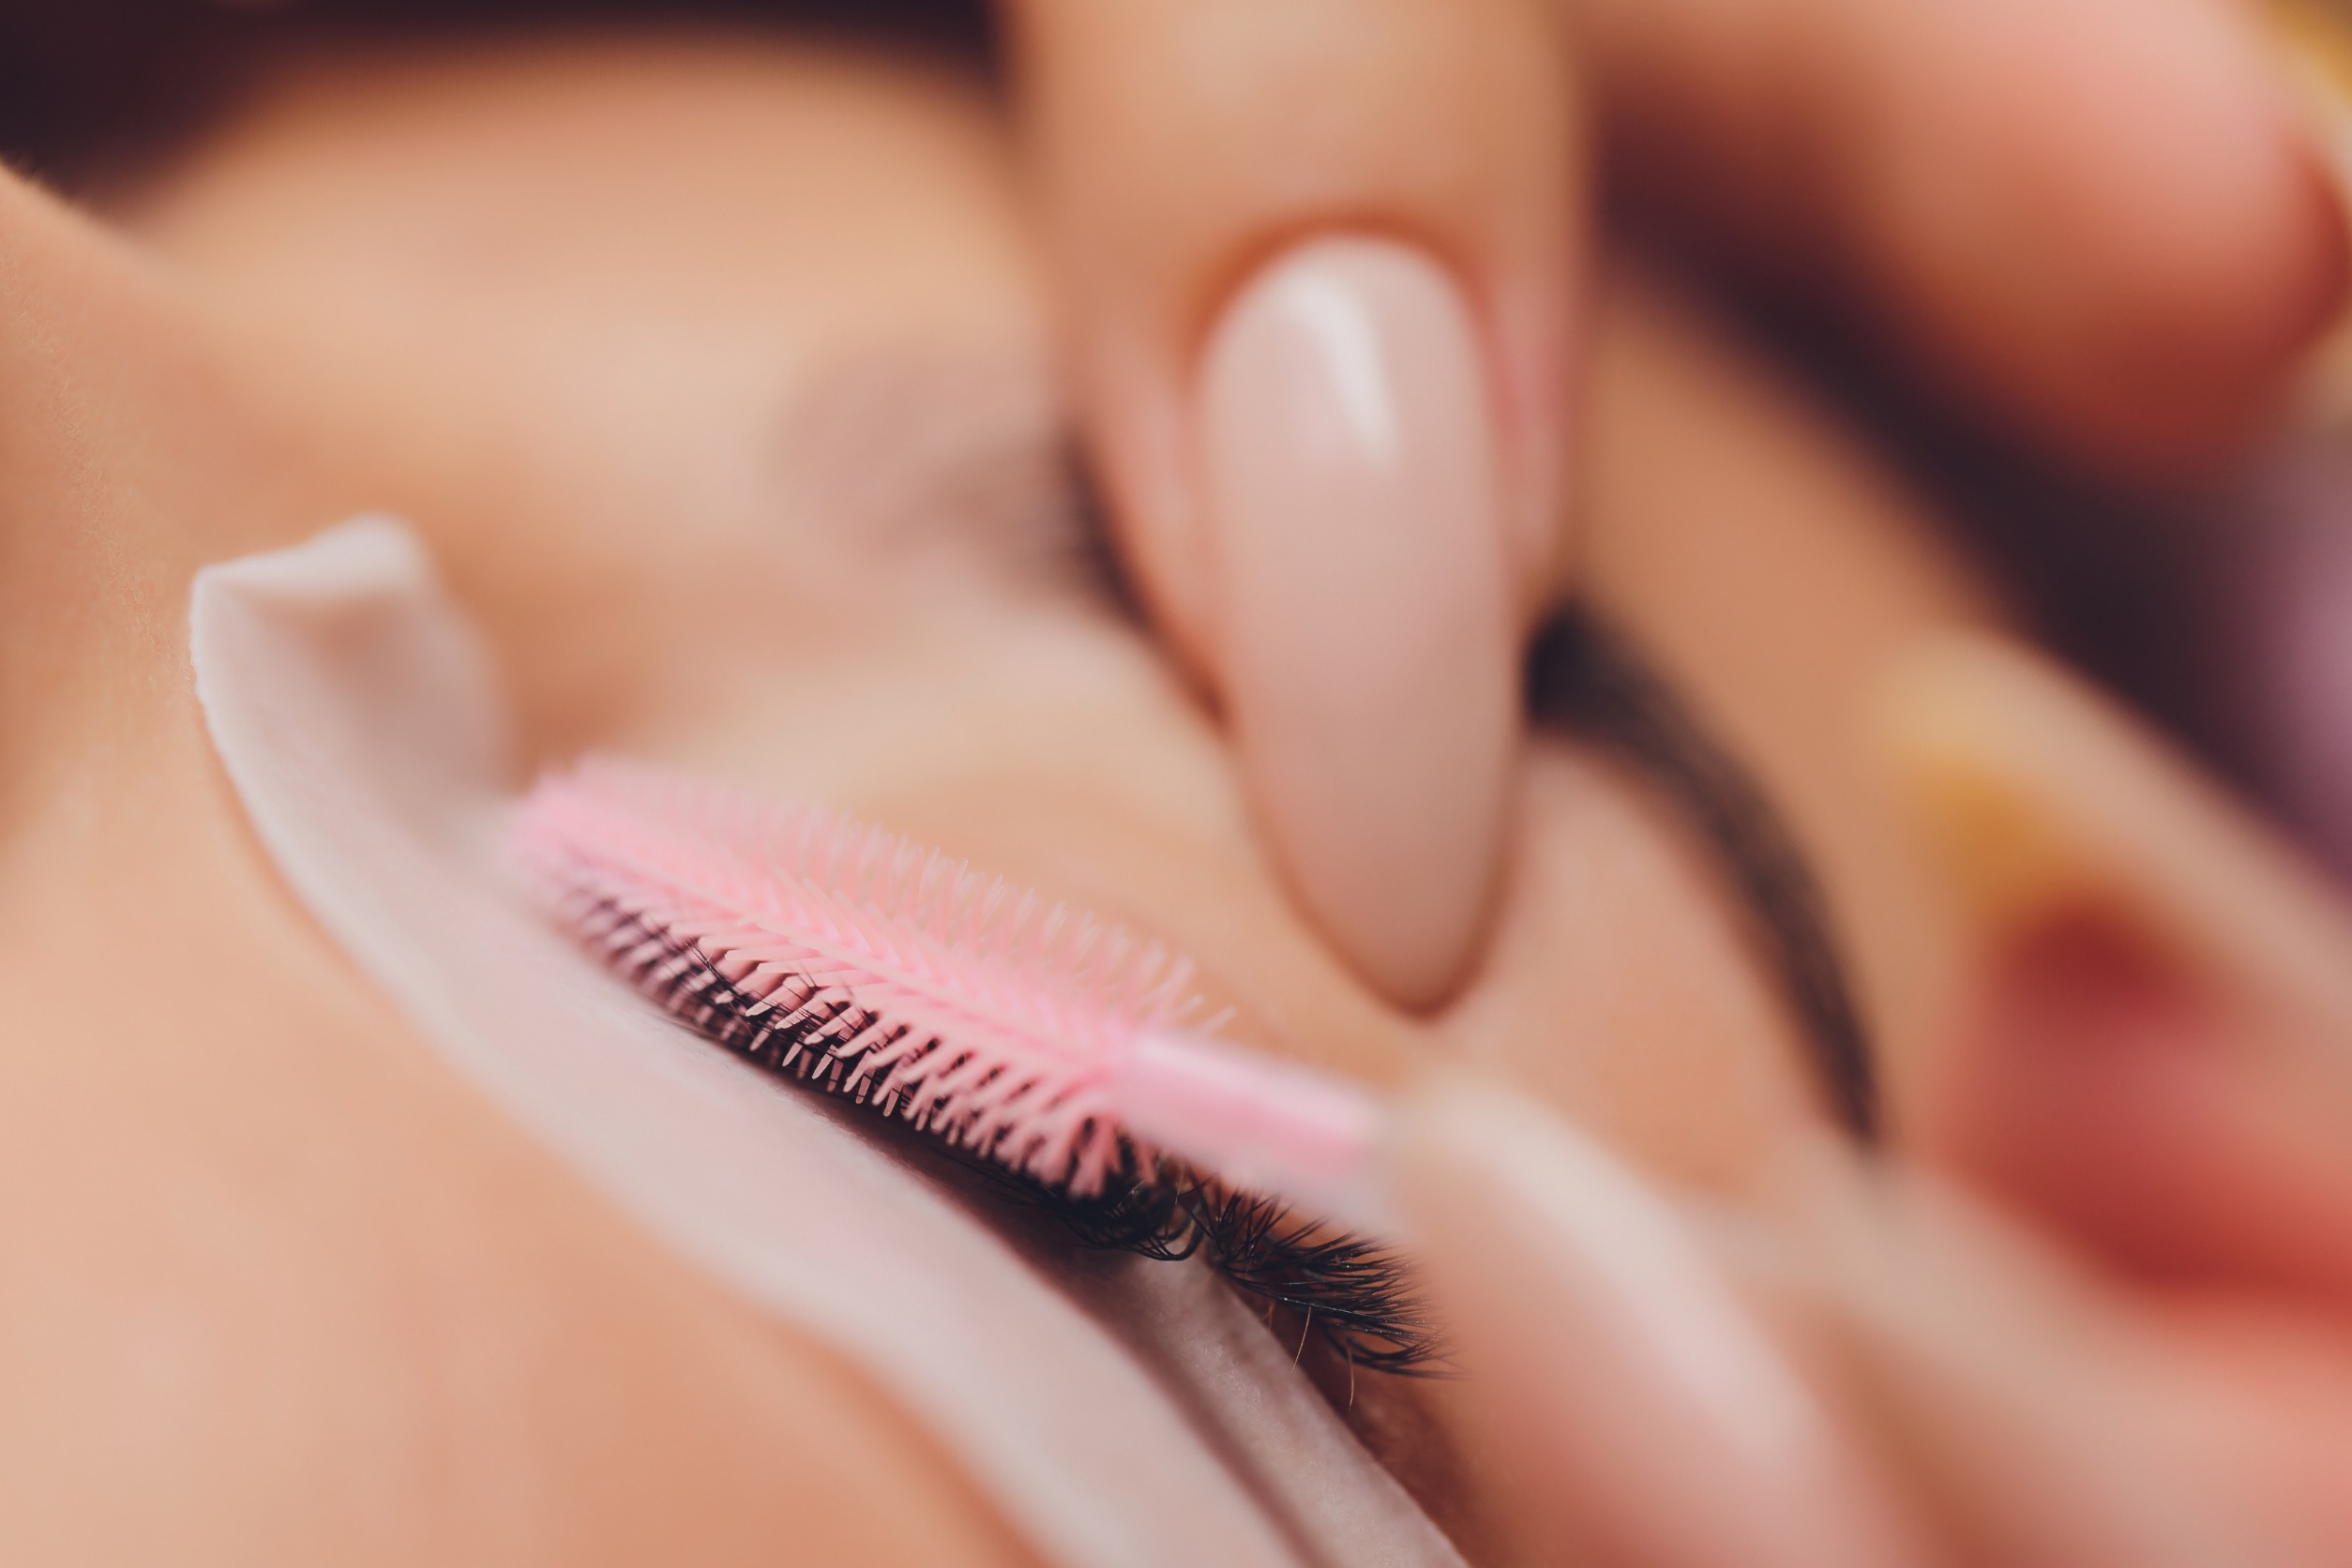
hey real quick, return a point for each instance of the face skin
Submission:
(717, 375)
(731, 412)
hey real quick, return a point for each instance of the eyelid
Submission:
(959, 462)
(858, 965)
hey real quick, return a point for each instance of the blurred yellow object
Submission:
(2318, 40)
(2318, 36)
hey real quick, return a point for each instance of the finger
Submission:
(1628, 1401)
(1319, 263)
(2151, 1055)
(1622, 1397)
(2043, 1419)
(1615, 1361)
(2101, 215)
(2154, 1050)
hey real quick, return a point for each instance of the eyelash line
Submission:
(1107, 1192)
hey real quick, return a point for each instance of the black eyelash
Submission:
(1355, 1295)
(1095, 557)
(1588, 679)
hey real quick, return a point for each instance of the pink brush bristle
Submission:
(863, 964)
(864, 967)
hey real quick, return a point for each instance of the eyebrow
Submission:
(1585, 679)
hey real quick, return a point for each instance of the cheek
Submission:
(1621, 990)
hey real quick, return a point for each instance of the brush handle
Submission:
(1261, 1125)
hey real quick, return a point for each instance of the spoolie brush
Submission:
(1042, 1045)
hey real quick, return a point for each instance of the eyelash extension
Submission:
(854, 964)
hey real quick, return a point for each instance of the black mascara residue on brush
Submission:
(1353, 1295)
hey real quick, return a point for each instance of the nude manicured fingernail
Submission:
(1634, 1400)
(1363, 609)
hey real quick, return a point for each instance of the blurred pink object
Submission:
(2283, 576)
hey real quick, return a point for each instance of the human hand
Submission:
(1323, 266)
(2121, 1341)
(580, 545)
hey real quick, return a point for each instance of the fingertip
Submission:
(1354, 603)
(1626, 1393)
(1366, 626)
(2112, 218)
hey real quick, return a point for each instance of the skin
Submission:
(642, 555)
(1065, 752)
(720, 376)
(280, 1307)
(2099, 225)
